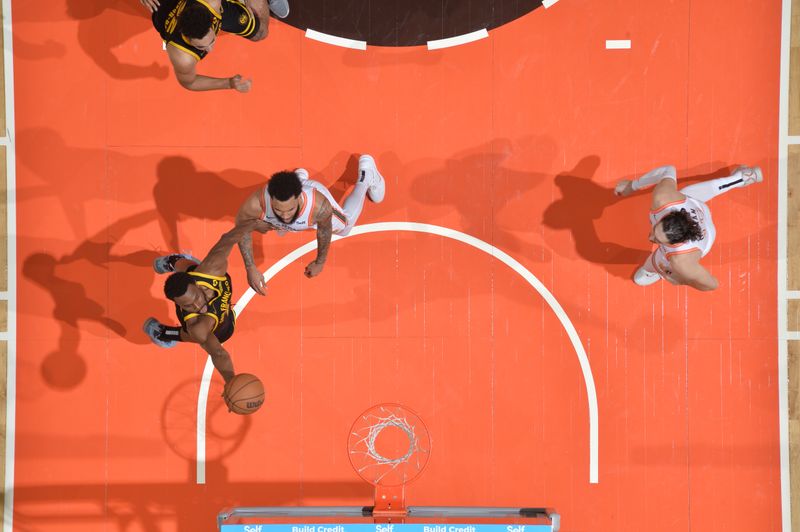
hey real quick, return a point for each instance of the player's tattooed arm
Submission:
(246, 248)
(324, 231)
(251, 209)
(254, 276)
(216, 262)
(324, 221)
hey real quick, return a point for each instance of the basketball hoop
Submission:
(389, 445)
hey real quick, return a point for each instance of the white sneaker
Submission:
(280, 8)
(302, 173)
(368, 173)
(643, 277)
(750, 174)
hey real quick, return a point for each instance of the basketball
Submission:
(244, 394)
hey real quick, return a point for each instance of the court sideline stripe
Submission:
(783, 321)
(11, 243)
(555, 306)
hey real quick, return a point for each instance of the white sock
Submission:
(653, 177)
(355, 202)
(709, 189)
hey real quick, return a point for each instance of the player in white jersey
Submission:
(290, 201)
(682, 225)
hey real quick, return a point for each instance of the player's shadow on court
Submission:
(581, 206)
(29, 51)
(346, 165)
(77, 281)
(584, 207)
(182, 190)
(103, 26)
(469, 182)
(182, 505)
(76, 202)
(225, 432)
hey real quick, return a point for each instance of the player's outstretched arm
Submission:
(185, 67)
(219, 356)
(324, 220)
(216, 262)
(250, 209)
(200, 332)
(692, 273)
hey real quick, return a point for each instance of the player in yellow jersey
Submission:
(201, 291)
(190, 28)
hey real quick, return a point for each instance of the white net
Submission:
(389, 445)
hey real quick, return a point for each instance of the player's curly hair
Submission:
(195, 21)
(678, 226)
(284, 185)
(176, 284)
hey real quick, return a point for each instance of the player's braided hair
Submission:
(284, 185)
(176, 284)
(195, 21)
(679, 227)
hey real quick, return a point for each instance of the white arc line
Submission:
(505, 258)
(336, 41)
(458, 40)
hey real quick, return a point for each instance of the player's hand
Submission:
(240, 84)
(313, 269)
(256, 280)
(152, 5)
(624, 188)
(225, 392)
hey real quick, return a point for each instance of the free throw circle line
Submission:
(414, 227)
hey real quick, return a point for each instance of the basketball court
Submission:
(490, 294)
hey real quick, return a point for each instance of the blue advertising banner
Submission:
(375, 527)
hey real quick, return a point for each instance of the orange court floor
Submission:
(516, 140)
